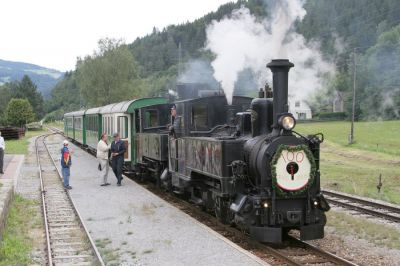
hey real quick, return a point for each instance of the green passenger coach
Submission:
(121, 117)
(86, 126)
(69, 125)
(93, 127)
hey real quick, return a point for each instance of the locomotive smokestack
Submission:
(280, 71)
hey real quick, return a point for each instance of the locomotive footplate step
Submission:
(139, 228)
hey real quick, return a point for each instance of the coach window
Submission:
(150, 118)
(108, 126)
(78, 122)
(199, 117)
(112, 125)
(122, 126)
(69, 122)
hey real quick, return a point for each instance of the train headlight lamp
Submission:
(287, 122)
(265, 205)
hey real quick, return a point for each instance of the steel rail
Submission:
(93, 245)
(44, 206)
(378, 211)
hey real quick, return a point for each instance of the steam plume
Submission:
(198, 71)
(241, 41)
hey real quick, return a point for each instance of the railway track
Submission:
(292, 252)
(372, 208)
(67, 239)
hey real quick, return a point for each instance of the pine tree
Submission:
(26, 89)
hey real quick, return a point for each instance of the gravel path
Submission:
(131, 226)
(7, 159)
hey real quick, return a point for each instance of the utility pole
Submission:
(351, 137)
(179, 59)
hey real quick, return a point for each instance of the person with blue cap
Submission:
(66, 163)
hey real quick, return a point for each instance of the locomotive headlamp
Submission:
(265, 204)
(287, 122)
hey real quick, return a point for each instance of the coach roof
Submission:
(130, 106)
(93, 111)
(75, 114)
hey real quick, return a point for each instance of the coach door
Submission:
(123, 128)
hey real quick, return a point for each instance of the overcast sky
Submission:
(52, 33)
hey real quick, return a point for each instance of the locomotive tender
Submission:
(243, 161)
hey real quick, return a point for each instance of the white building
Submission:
(300, 109)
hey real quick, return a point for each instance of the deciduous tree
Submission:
(109, 75)
(19, 112)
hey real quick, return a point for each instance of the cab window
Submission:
(150, 118)
(199, 118)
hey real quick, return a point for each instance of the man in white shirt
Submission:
(102, 155)
(2, 149)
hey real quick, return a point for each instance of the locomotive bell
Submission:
(280, 79)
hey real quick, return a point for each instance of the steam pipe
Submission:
(280, 76)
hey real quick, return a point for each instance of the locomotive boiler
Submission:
(245, 162)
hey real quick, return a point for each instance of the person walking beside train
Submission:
(102, 155)
(2, 150)
(117, 154)
(66, 163)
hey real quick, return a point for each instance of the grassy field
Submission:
(21, 146)
(381, 136)
(378, 234)
(356, 168)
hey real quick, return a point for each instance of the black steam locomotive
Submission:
(243, 160)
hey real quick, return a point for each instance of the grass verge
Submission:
(21, 146)
(109, 255)
(378, 234)
(16, 245)
(356, 168)
(376, 136)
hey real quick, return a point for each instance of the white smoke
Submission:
(388, 103)
(198, 71)
(241, 41)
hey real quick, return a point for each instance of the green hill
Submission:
(368, 27)
(44, 78)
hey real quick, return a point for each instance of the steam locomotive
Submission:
(246, 165)
(243, 161)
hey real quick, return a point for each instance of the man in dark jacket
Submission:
(117, 152)
(66, 163)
